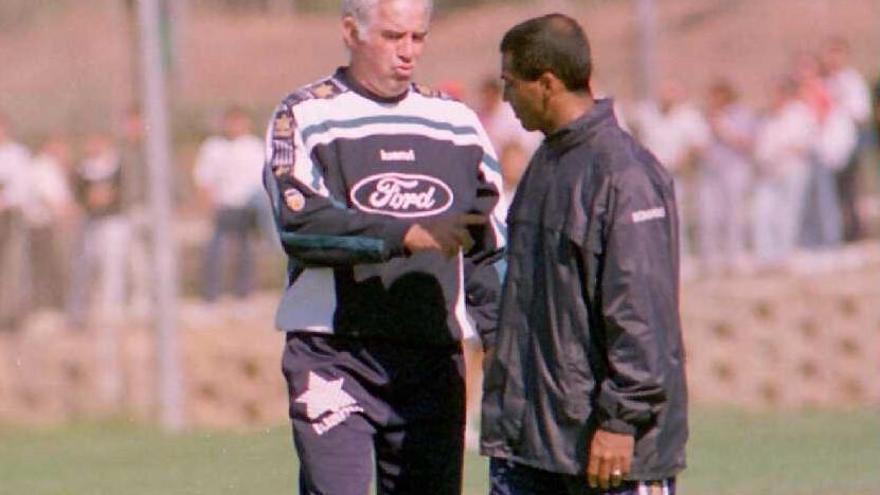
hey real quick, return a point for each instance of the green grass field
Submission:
(731, 453)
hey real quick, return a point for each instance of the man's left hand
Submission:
(610, 459)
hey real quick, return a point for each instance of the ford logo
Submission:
(402, 195)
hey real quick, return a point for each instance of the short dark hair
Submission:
(552, 43)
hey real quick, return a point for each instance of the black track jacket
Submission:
(589, 332)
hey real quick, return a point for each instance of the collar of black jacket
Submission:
(583, 127)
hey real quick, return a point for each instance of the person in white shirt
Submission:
(48, 211)
(724, 179)
(135, 204)
(677, 134)
(834, 142)
(782, 153)
(228, 172)
(14, 169)
(104, 237)
(851, 93)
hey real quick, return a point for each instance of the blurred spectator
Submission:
(228, 171)
(103, 243)
(135, 202)
(49, 210)
(724, 179)
(14, 170)
(782, 153)
(877, 111)
(835, 138)
(453, 88)
(677, 134)
(850, 91)
(513, 144)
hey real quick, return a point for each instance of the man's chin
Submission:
(402, 79)
(526, 125)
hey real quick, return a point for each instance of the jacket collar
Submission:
(582, 128)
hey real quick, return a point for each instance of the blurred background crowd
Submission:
(771, 169)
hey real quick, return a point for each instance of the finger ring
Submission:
(616, 473)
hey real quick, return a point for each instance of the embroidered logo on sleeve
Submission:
(327, 405)
(650, 214)
(281, 170)
(294, 200)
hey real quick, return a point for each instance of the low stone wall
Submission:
(775, 340)
(790, 342)
(231, 361)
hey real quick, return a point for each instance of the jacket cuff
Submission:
(619, 426)
(393, 237)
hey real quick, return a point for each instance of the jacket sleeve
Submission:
(484, 265)
(314, 227)
(638, 299)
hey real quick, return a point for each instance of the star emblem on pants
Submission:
(324, 396)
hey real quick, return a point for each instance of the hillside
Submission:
(72, 69)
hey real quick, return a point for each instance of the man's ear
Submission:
(350, 34)
(550, 83)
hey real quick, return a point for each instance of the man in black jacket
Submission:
(585, 388)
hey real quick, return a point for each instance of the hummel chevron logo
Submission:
(327, 405)
(397, 156)
(645, 215)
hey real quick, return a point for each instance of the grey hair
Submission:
(362, 11)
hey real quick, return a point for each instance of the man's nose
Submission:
(406, 48)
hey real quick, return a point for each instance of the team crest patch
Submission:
(283, 126)
(294, 200)
(327, 405)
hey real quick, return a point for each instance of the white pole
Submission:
(646, 71)
(158, 158)
(178, 16)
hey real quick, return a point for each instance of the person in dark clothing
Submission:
(585, 388)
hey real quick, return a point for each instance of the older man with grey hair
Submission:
(385, 194)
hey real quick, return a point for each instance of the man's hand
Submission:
(610, 459)
(446, 235)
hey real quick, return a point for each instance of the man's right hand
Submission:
(446, 235)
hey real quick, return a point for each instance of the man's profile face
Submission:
(524, 96)
(385, 56)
